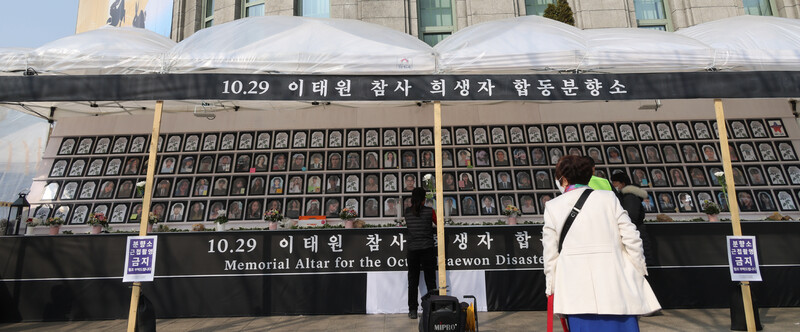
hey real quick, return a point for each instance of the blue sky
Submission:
(32, 23)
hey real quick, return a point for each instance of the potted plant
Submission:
(222, 219)
(30, 224)
(55, 224)
(348, 215)
(152, 219)
(512, 212)
(98, 221)
(711, 209)
(273, 217)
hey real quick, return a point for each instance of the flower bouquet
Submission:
(348, 215)
(153, 219)
(273, 217)
(98, 221)
(140, 188)
(30, 224)
(222, 217)
(711, 209)
(512, 212)
(54, 221)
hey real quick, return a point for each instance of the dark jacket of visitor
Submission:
(631, 198)
(420, 229)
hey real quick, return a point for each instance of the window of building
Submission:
(253, 8)
(208, 13)
(436, 20)
(313, 8)
(537, 7)
(652, 14)
(758, 7)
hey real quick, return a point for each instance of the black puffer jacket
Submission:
(631, 198)
(420, 229)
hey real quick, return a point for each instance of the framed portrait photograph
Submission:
(235, 209)
(245, 141)
(300, 139)
(371, 159)
(67, 146)
(263, 140)
(425, 136)
(107, 188)
(177, 212)
(281, 139)
(746, 201)
(747, 152)
(555, 154)
(544, 198)
(785, 200)
(613, 154)
(488, 205)
(353, 160)
(690, 153)
(120, 144)
(738, 129)
(677, 177)
(391, 206)
(407, 136)
(317, 139)
(658, 177)
(527, 204)
(498, 135)
(389, 137)
(663, 131)
(408, 158)
(187, 164)
(516, 135)
(446, 137)
(228, 142)
(462, 136)
(520, 156)
(277, 204)
(697, 177)
(447, 157)
(214, 209)
(632, 154)
(709, 153)
(332, 207)
(277, 185)
(294, 185)
(113, 166)
(504, 180)
(703, 196)
(279, 161)
(69, 191)
(466, 181)
(756, 176)
(574, 151)
(167, 165)
(371, 207)
(426, 159)
(294, 207)
(479, 135)
(469, 206)
(538, 156)
(482, 157)
(183, 187)
(88, 189)
(210, 142)
(409, 181)
(775, 175)
(353, 137)
(135, 214)
(163, 188)
(333, 184)
(485, 181)
(192, 143)
(352, 183)
(314, 184)
(390, 159)
(298, 161)
(77, 167)
(645, 131)
(670, 153)
(682, 130)
(626, 132)
(224, 164)
(639, 177)
(651, 154)
(450, 206)
(767, 151)
(174, 143)
(685, 202)
(371, 137)
(239, 186)
(449, 181)
(334, 160)
(103, 143)
(590, 133)
(127, 187)
(608, 132)
(255, 209)
(738, 176)
(553, 134)
(206, 164)
(776, 128)
(501, 157)
(571, 133)
(666, 202)
(535, 134)
(221, 186)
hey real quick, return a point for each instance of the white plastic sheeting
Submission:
(301, 45)
(13, 60)
(749, 43)
(22, 142)
(108, 50)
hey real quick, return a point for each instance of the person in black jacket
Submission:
(631, 198)
(421, 247)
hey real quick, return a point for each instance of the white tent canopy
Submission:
(13, 60)
(300, 45)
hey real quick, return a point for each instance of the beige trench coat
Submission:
(601, 267)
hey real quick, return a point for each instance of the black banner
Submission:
(768, 84)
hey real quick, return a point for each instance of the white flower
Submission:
(427, 177)
(141, 183)
(719, 174)
(221, 211)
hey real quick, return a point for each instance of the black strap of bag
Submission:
(572, 214)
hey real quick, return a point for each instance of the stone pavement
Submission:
(685, 320)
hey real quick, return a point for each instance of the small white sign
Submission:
(743, 258)
(140, 258)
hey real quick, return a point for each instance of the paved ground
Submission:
(773, 319)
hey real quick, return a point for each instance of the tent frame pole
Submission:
(733, 205)
(437, 139)
(146, 200)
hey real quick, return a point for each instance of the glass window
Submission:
(253, 8)
(757, 7)
(313, 8)
(208, 13)
(537, 7)
(436, 20)
(652, 14)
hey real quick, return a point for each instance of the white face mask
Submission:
(559, 186)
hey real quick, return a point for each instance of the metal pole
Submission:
(437, 139)
(148, 191)
(733, 205)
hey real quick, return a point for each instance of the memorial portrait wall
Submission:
(373, 170)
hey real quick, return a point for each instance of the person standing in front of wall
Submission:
(420, 221)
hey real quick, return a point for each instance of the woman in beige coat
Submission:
(598, 278)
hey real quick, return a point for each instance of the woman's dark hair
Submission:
(417, 200)
(577, 170)
(621, 177)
